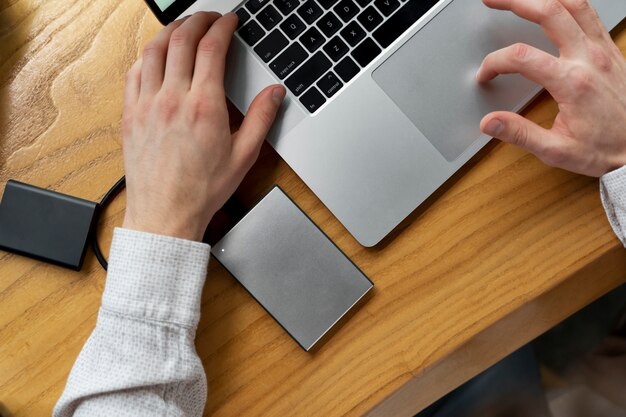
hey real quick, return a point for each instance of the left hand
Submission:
(605, 370)
(588, 81)
(181, 161)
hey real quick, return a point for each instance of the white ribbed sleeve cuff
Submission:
(153, 277)
(613, 193)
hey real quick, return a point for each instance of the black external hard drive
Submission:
(45, 225)
(291, 268)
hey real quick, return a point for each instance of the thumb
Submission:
(519, 131)
(257, 123)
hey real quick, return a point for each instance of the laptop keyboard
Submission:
(316, 46)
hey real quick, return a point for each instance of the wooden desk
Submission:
(505, 251)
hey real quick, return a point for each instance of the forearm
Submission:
(140, 359)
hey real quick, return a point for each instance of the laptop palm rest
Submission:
(438, 65)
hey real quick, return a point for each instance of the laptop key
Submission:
(329, 24)
(288, 60)
(336, 48)
(308, 73)
(329, 84)
(353, 33)
(310, 11)
(370, 18)
(403, 19)
(327, 4)
(286, 6)
(312, 100)
(387, 6)
(312, 39)
(243, 16)
(364, 3)
(269, 17)
(251, 33)
(293, 26)
(346, 10)
(366, 52)
(271, 46)
(347, 69)
(255, 5)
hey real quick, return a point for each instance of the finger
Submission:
(211, 54)
(154, 54)
(530, 62)
(181, 53)
(556, 21)
(515, 129)
(612, 346)
(587, 18)
(131, 97)
(133, 85)
(604, 366)
(256, 124)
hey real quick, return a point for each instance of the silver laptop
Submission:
(382, 104)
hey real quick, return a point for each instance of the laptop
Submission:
(382, 105)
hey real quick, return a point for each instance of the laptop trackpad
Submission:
(432, 76)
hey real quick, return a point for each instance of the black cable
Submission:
(106, 200)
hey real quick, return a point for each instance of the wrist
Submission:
(180, 230)
(614, 167)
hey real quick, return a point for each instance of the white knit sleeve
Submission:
(140, 359)
(613, 193)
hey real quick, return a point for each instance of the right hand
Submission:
(181, 161)
(588, 81)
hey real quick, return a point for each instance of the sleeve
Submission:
(140, 359)
(613, 194)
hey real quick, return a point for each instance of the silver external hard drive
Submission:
(291, 268)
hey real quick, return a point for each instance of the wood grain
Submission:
(504, 251)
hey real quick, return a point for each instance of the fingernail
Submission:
(278, 95)
(494, 127)
(478, 72)
(231, 14)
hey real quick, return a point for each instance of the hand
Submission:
(181, 161)
(588, 81)
(605, 370)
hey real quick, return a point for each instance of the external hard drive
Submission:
(291, 268)
(46, 225)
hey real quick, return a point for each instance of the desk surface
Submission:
(506, 250)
